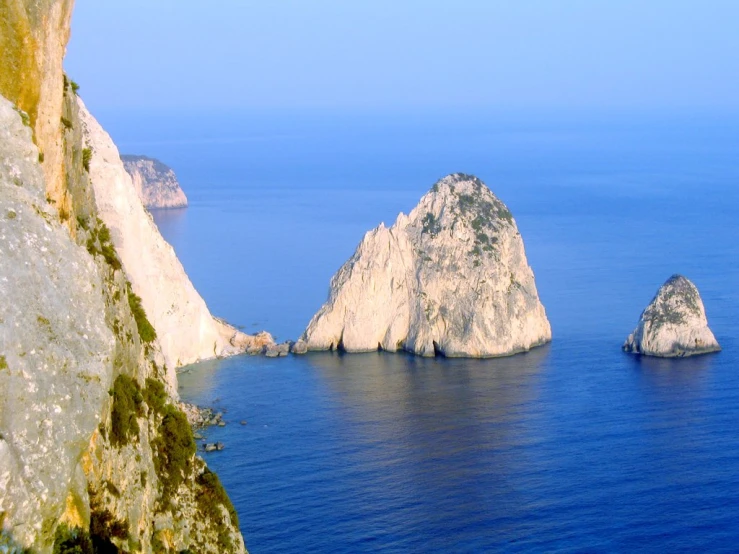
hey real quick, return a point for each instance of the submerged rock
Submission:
(450, 278)
(155, 182)
(298, 348)
(673, 324)
(277, 350)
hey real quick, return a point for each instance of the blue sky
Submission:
(402, 54)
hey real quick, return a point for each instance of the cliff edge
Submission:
(451, 278)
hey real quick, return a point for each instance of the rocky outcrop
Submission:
(155, 183)
(186, 330)
(674, 323)
(450, 278)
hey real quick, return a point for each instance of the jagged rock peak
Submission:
(450, 278)
(155, 183)
(674, 323)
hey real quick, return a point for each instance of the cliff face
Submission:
(94, 453)
(33, 40)
(90, 438)
(674, 323)
(155, 183)
(450, 278)
(53, 365)
(186, 330)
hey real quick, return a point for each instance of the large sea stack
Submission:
(451, 278)
(673, 324)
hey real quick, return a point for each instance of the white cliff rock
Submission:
(84, 401)
(674, 323)
(186, 330)
(55, 347)
(450, 278)
(155, 182)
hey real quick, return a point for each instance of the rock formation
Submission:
(450, 278)
(673, 324)
(155, 183)
(95, 454)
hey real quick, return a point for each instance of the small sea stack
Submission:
(674, 323)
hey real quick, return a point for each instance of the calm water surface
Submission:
(574, 447)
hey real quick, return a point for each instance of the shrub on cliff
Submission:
(146, 329)
(174, 448)
(100, 235)
(211, 497)
(68, 540)
(127, 400)
(154, 395)
(86, 158)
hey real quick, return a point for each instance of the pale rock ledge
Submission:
(451, 278)
(674, 323)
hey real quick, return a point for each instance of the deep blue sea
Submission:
(573, 447)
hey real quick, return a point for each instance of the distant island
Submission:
(155, 182)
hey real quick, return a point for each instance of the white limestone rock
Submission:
(450, 278)
(55, 347)
(674, 323)
(155, 183)
(186, 330)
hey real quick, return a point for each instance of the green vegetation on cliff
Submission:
(174, 449)
(99, 244)
(212, 498)
(126, 410)
(146, 329)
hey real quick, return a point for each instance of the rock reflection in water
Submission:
(443, 433)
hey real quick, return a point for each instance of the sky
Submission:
(406, 54)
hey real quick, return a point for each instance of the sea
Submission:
(572, 447)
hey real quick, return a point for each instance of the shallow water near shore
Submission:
(574, 446)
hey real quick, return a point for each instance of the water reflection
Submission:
(172, 223)
(426, 392)
(447, 430)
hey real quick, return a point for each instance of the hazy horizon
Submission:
(389, 56)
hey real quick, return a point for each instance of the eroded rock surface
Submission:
(55, 347)
(155, 183)
(450, 278)
(674, 323)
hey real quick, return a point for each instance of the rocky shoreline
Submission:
(200, 418)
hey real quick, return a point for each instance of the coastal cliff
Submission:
(95, 455)
(186, 330)
(155, 182)
(451, 278)
(674, 323)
